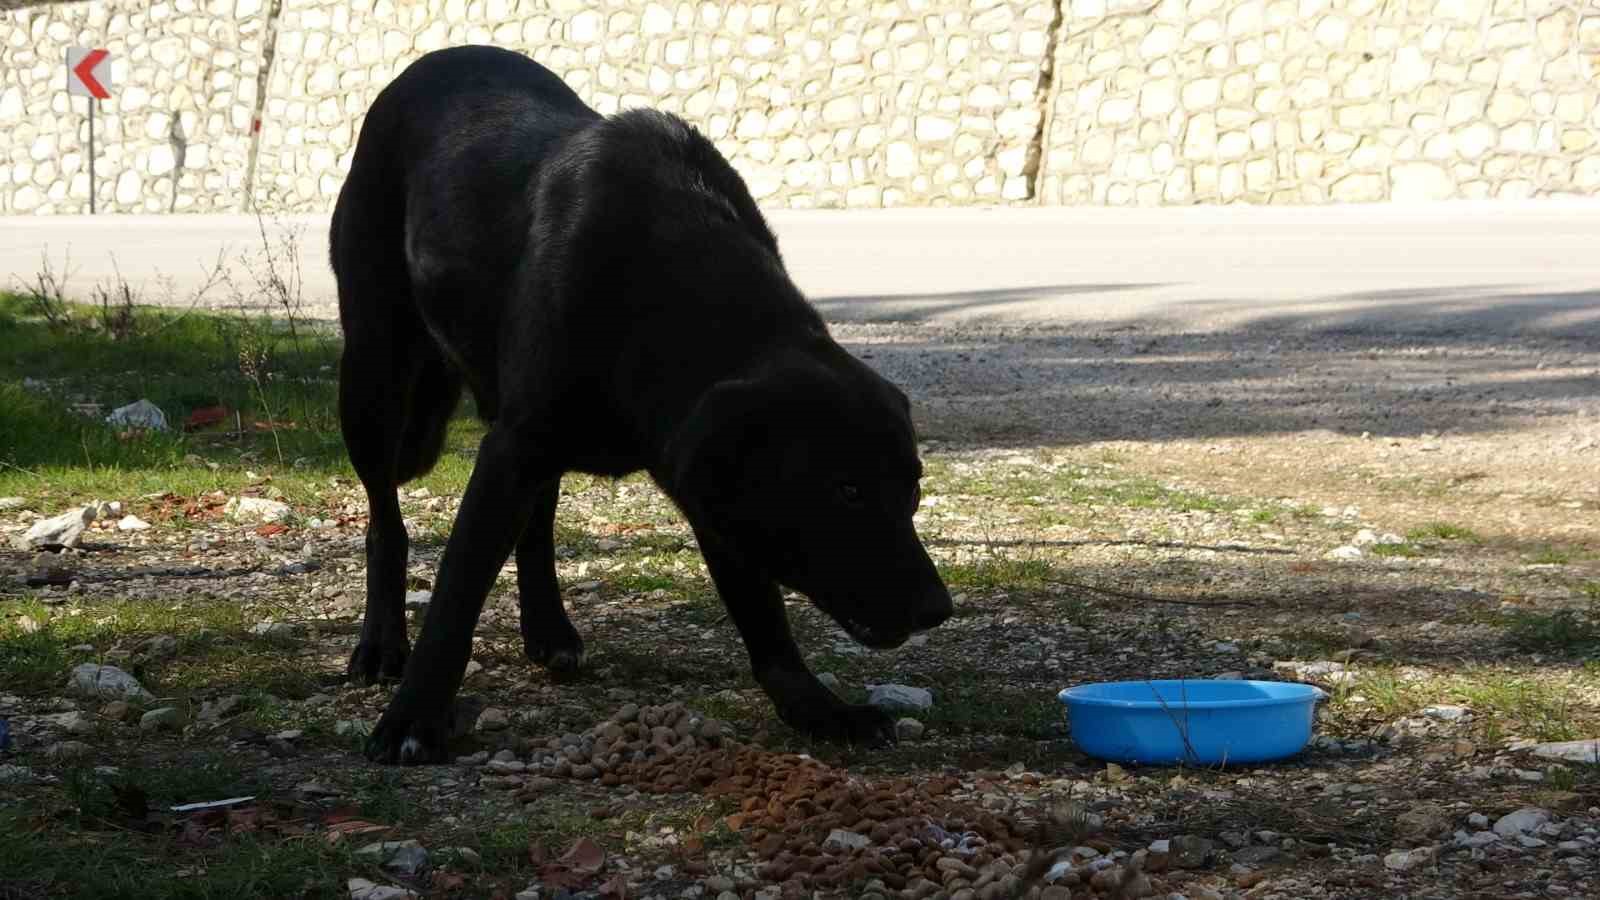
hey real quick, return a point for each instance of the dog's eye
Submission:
(850, 493)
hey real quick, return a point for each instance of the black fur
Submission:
(612, 297)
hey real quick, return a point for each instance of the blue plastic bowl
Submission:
(1200, 722)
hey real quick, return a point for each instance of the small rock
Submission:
(162, 719)
(256, 509)
(492, 719)
(11, 774)
(1256, 856)
(139, 414)
(1423, 821)
(314, 789)
(1585, 751)
(829, 681)
(276, 629)
(1234, 839)
(1346, 552)
(116, 710)
(840, 840)
(719, 884)
(1446, 713)
(1190, 851)
(74, 722)
(7, 503)
(68, 750)
(909, 729)
(131, 522)
(362, 889)
(1478, 821)
(1406, 860)
(899, 695)
(400, 857)
(1524, 820)
(159, 647)
(213, 711)
(65, 530)
(1529, 842)
(95, 680)
(418, 599)
(1366, 537)
(1477, 839)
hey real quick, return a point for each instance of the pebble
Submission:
(74, 722)
(402, 857)
(909, 729)
(829, 681)
(899, 695)
(131, 522)
(256, 509)
(1190, 851)
(163, 719)
(276, 629)
(1584, 751)
(492, 719)
(1523, 820)
(1406, 860)
(842, 840)
(1446, 713)
(362, 889)
(64, 530)
(95, 680)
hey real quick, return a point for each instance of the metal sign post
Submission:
(89, 75)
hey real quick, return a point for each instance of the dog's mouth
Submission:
(869, 636)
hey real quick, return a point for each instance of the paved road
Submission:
(1526, 267)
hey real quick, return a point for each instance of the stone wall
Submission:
(241, 104)
(1312, 101)
(829, 103)
(175, 134)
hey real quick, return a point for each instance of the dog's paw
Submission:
(562, 656)
(400, 738)
(373, 661)
(864, 725)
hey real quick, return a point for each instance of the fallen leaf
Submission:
(448, 881)
(339, 826)
(617, 887)
(204, 416)
(584, 856)
(270, 529)
(735, 821)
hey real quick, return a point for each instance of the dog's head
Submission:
(808, 472)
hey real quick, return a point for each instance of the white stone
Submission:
(1160, 42)
(64, 530)
(1420, 181)
(657, 19)
(1585, 751)
(1522, 821)
(584, 27)
(934, 128)
(132, 522)
(106, 682)
(900, 160)
(256, 509)
(139, 414)
(841, 109)
(1158, 97)
(899, 695)
(129, 188)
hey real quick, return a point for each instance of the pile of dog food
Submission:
(814, 826)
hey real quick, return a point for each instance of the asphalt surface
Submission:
(1505, 268)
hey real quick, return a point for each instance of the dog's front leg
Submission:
(495, 508)
(756, 607)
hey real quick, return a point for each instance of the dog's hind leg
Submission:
(372, 414)
(548, 637)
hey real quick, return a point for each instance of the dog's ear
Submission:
(708, 456)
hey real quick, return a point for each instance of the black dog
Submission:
(609, 292)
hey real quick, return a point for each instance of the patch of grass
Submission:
(387, 796)
(1397, 551)
(966, 707)
(1551, 555)
(1264, 516)
(1313, 642)
(998, 573)
(1565, 631)
(1442, 531)
(36, 660)
(1531, 707)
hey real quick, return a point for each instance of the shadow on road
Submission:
(1473, 359)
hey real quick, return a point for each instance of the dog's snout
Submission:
(934, 612)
